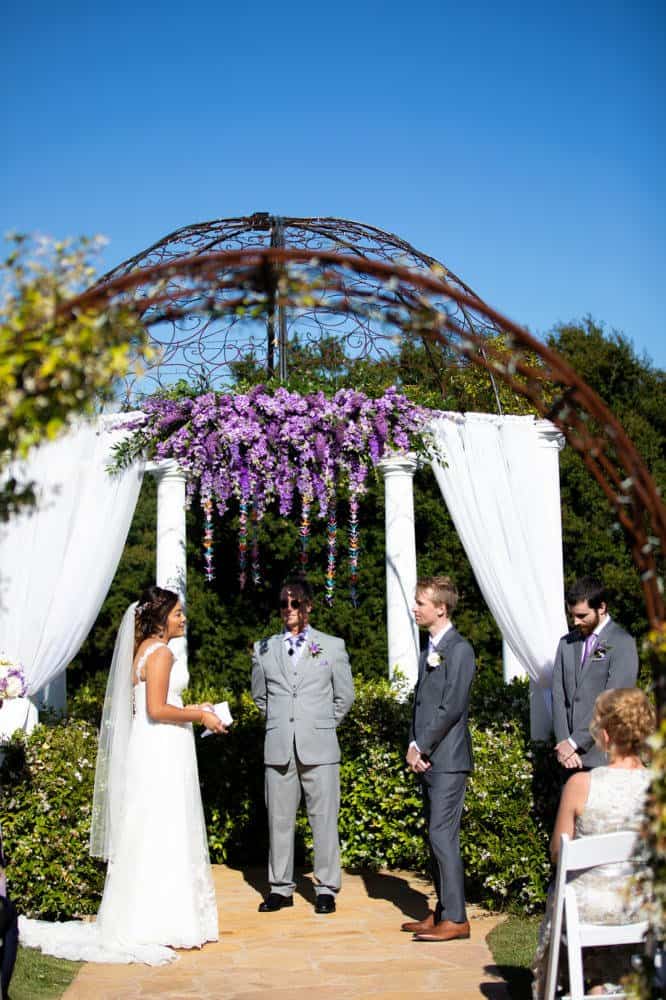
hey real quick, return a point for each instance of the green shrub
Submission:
(48, 783)
(503, 837)
(47, 787)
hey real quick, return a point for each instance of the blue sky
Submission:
(522, 144)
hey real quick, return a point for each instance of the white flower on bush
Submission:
(12, 679)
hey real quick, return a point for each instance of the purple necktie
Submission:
(589, 647)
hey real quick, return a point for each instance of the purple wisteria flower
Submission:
(261, 447)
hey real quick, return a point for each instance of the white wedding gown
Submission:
(159, 889)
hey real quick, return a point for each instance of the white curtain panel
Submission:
(501, 486)
(57, 563)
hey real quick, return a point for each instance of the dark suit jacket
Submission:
(441, 705)
(614, 664)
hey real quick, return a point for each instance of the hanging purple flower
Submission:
(264, 447)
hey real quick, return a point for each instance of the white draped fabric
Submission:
(501, 486)
(57, 563)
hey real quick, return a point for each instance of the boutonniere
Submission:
(314, 649)
(434, 660)
(601, 652)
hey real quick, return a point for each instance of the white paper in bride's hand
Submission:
(224, 715)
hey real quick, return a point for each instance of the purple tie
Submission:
(589, 647)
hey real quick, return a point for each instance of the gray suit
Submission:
(440, 730)
(614, 664)
(303, 699)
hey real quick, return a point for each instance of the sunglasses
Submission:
(291, 603)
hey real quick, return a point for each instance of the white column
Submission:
(403, 639)
(171, 566)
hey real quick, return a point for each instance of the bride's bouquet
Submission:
(13, 683)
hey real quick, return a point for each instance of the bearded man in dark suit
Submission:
(440, 752)
(595, 655)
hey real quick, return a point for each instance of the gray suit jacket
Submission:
(302, 702)
(614, 664)
(441, 705)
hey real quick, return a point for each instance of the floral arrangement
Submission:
(298, 451)
(13, 683)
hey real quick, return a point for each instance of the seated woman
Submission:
(604, 800)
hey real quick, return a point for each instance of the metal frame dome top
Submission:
(262, 230)
(202, 343)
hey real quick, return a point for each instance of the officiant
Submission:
(302, 684)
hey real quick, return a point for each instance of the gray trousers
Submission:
(443, 799)
(320, 784)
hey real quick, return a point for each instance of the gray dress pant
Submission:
(443, 799)
(320, 784)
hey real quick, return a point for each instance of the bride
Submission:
(147, 815)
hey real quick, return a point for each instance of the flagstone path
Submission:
(358, 952)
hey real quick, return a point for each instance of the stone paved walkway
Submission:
(358, 952)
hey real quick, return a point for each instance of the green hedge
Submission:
(47, 786)
(48, 780)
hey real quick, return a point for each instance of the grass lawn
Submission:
(513, 944)
(40, 977)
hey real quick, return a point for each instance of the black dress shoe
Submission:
(274, 901)
(325, 903)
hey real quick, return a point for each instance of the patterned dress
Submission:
(605, 895)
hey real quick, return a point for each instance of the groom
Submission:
(440, 752)
(302, 684)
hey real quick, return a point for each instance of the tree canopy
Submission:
(54, 366)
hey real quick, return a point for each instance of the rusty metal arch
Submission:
(395, 301)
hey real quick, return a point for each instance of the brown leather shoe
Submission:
(420, 926)
(445, 930)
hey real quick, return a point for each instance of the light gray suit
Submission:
(441, 731)
(303, 699)
(614, 664)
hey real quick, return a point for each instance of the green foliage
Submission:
(47, 788)
(503, 839)
(636, 393)
(54, 365)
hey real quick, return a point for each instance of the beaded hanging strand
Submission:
(242, 544)
(255, 566)
(304, 530)
(207, 505)
(332, 549)
(353, 549)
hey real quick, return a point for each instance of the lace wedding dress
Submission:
(605, 895)
(159, 890)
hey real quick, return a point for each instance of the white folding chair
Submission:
(575, 856)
